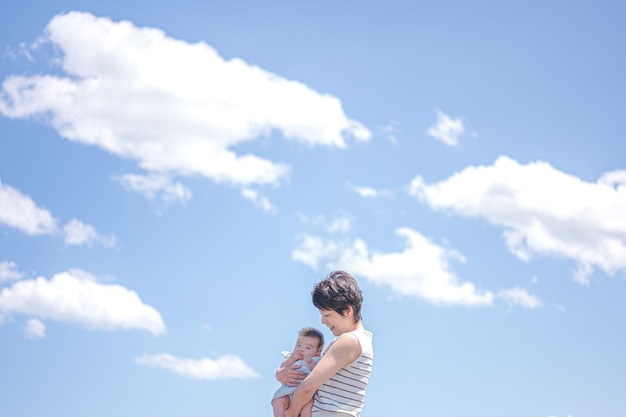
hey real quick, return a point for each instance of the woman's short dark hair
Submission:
(338, 291)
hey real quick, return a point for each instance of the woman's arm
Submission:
(290, 375)
(341, 354)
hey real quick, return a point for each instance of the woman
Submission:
(339, 381)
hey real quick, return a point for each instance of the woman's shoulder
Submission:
(352, 340)
(361, 332)
(363, 340)
(345, 349)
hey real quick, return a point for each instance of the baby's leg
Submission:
(280, 404)
(307, 411)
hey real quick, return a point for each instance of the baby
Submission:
(307, 353)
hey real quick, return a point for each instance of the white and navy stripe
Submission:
(344, 392)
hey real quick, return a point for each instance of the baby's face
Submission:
(308, 346)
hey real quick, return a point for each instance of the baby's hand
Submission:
(296, 355)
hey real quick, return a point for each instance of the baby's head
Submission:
(310, 342)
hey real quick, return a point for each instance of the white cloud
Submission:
(21, 212)
(390, 131)
(79, 233)
(615, 178)
(312, 250)
(154, 185)
(369, 192)
(581, 274)
(340, 223)
(365, 191)
(447, 129)
(224, 367)
(34, 329)
(520, 297)
(259, 200)
(176, 108)
(421, 270)
(543, 211)
(9, 271)
(77, 297)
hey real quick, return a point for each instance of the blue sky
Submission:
(175, 177)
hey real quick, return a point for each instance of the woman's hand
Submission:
(290, 375)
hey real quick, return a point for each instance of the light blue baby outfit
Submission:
(287, 390)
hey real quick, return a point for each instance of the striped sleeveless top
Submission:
(344, 392)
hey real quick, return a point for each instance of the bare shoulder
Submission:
(348, 339)
(346, 348)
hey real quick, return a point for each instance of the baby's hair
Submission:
(313, 332)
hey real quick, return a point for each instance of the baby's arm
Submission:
(288, 373)
(291, 360)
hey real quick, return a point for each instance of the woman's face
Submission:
(337, 323)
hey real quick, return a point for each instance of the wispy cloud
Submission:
(447, 130)
(224, 367)
(19, 211)
(34, 329)
(369, 192)
(259, 200)
(543, 211)
(390, 130)
(180, 109)
(77, 297)
(520, 297)
(336, 224)
(79, 233)
(155, 186)
(9, 271)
